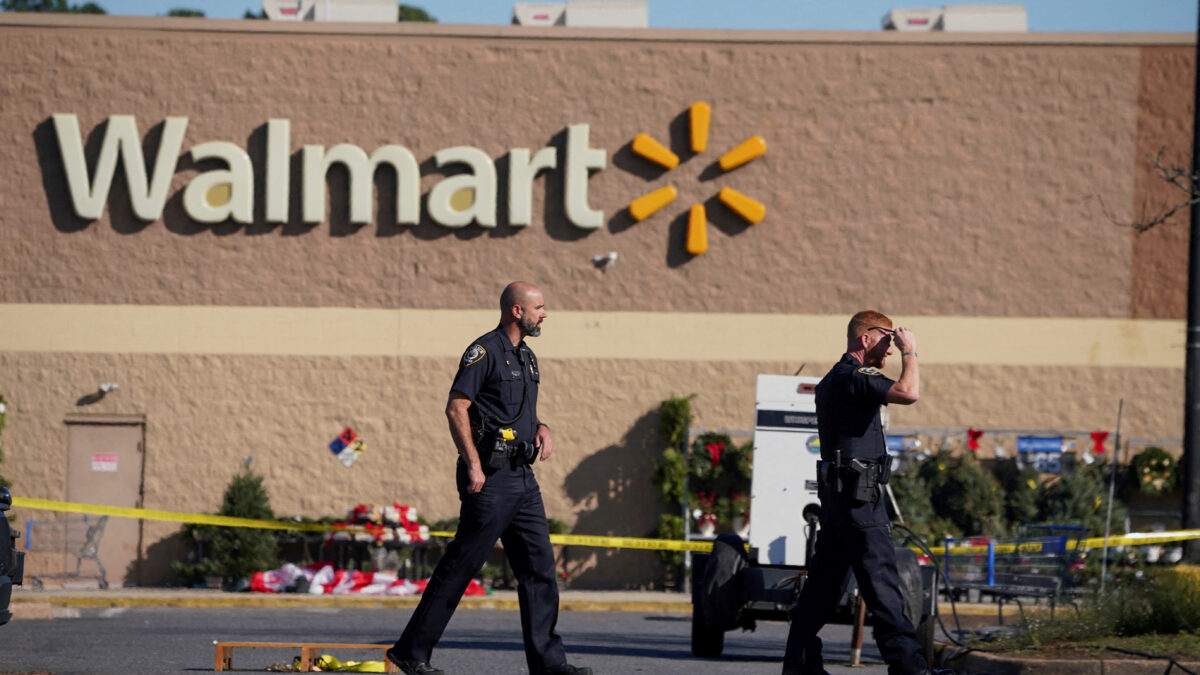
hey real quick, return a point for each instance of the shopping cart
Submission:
(72, 535)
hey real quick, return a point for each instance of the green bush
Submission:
(234, 553)
(912, 496)
(1020, 486)
(1077, 498)
(669, 526)
(1162, 603)
(670, 471)
(963, 493)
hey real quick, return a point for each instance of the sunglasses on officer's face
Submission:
(886, 331)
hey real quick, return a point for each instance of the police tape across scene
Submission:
(1131, 539)
(231, 521)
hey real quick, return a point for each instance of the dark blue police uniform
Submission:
(855, 534)
(496, 377)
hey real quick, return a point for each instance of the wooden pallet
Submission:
(309, 652)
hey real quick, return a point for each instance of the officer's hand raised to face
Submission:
(904, 339)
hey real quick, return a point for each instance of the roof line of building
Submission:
(432, 30)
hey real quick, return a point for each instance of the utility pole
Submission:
(1191, 415)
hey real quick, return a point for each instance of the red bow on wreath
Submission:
(973, 439)
(714, 452)
(1098, 438)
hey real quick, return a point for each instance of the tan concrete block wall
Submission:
(941, 179)
(1159, 288)
(205, 414)
(927, 179)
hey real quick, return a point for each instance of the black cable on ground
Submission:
(1133, 652)
(914, 537)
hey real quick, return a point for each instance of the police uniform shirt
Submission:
(495, 375)
(848, 400)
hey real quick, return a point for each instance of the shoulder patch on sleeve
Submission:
(473, 355)
(869, 371)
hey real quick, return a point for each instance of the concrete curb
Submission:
(584, 601)
(980, 662)
(507, 600)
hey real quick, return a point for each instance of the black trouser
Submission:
(854, 536)
(509, 508)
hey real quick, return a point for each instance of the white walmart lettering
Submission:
(218, 195)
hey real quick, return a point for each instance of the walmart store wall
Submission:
(967, 189)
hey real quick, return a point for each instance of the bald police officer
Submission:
(493, 420)
(855, 531)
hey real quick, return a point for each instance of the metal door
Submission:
(104, 466)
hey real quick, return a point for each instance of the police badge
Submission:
(473, 354)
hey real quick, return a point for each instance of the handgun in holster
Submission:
(862, 479)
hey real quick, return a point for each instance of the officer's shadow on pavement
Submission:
(614, 488)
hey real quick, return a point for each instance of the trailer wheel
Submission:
(707, 642)
(721, 589)
(925, 637)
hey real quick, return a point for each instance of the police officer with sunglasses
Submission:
(855, 531)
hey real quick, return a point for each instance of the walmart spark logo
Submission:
(697, 228)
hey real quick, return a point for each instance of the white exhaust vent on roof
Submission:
(373, 11)
(539, 14)
(590, 13)
(960, 19)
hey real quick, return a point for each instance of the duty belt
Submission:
(857, 477)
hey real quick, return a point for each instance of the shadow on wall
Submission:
(614, 485)
(155, 568)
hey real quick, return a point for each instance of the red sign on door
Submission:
(104, 461)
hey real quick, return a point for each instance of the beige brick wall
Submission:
(206, 414)
(937, 179)
(933, 178)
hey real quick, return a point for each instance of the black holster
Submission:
(856, 478)
(862, 479)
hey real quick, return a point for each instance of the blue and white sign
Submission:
(1042, 453)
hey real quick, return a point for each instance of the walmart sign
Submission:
(228, 194)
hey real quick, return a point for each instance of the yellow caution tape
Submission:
(231, 521)
(632, 542)
(1131, 539)
(1134, 539)
(175, 516)
(1141, 538)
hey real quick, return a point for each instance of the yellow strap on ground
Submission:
(230, 521)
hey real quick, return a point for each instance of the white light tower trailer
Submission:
(733, 587)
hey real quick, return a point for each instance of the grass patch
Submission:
(1156, 615)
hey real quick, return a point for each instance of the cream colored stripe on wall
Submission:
(672, 336)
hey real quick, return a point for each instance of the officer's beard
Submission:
(530, 328)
